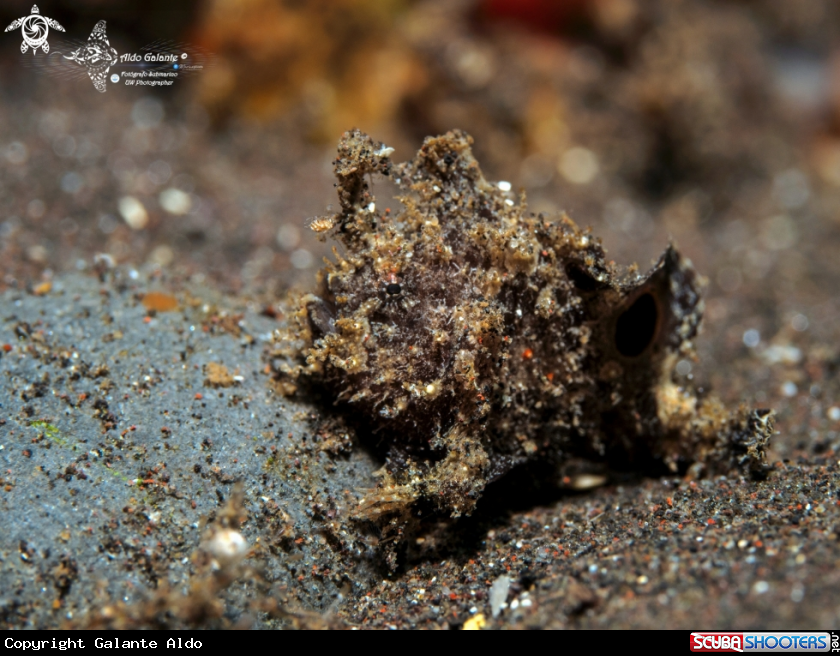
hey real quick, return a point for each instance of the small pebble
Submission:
(683, 367)
(789, 389)
(797, 593)
(134, 213)
(228, 546)
(578, 165)
(498, 594)
(799, 323)
(782, 353)
(751, 338)
(175, 201)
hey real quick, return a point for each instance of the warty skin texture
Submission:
(467, 336)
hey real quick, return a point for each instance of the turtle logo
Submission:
(35, 29)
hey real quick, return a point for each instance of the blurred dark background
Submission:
(713, 123)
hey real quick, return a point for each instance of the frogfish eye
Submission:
(636, 327)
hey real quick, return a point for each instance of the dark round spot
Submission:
(583, 280)
(636, 327)
(394, 288)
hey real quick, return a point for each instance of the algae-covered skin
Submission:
(468, 335)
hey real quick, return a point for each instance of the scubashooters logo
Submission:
(717, 642)
(793, 641)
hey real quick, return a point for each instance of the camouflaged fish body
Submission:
(470, 336)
